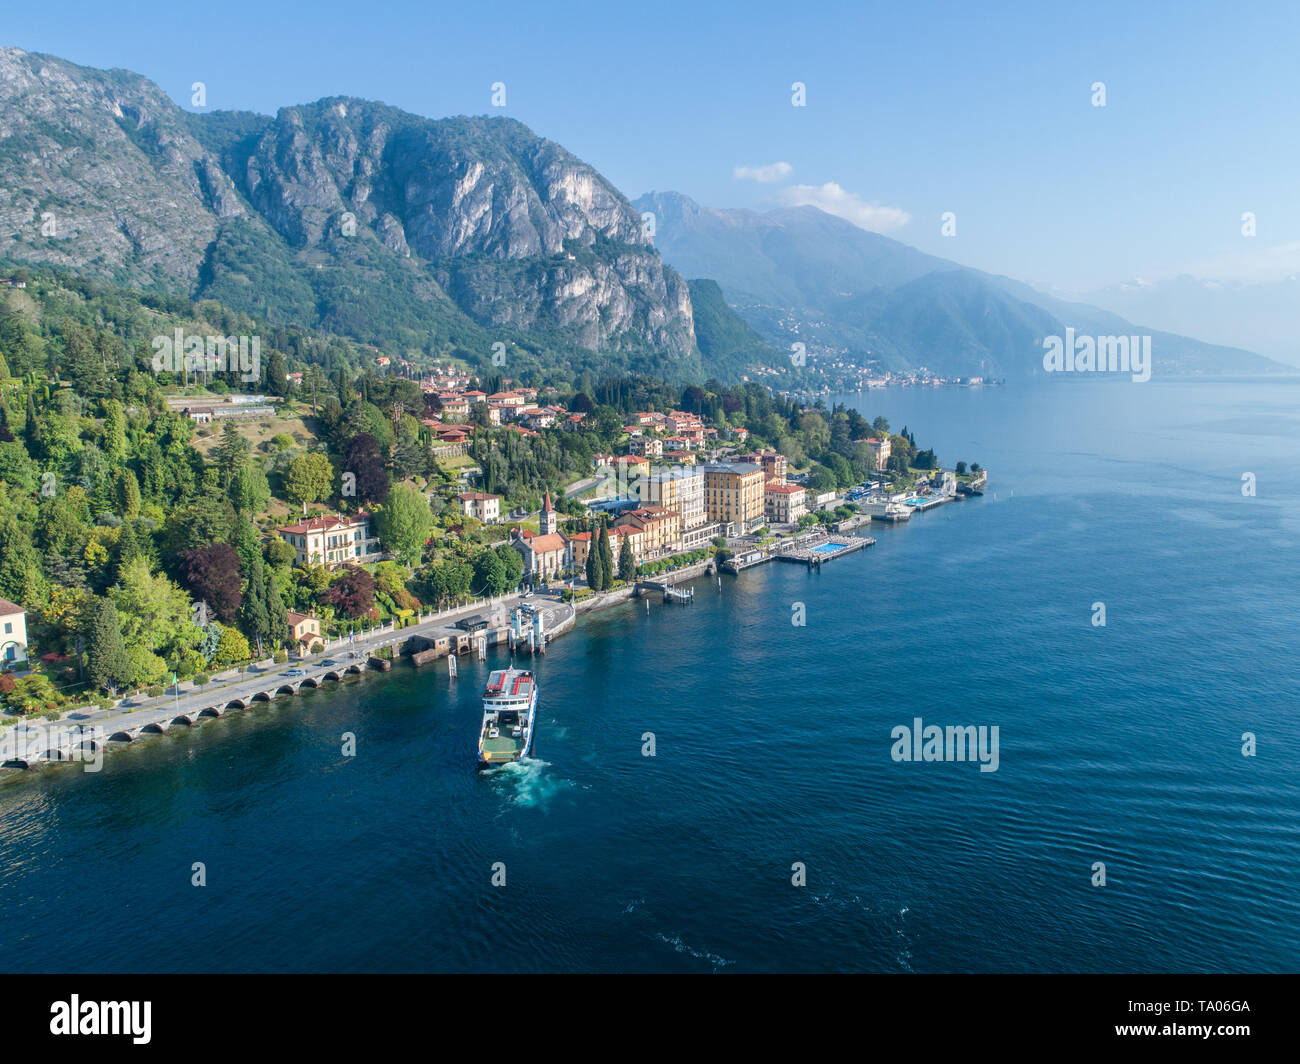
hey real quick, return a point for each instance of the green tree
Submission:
(595, 572)
(17, 558)
(626, 560)
(114, 441)
(253, 614)
(129, 492)
(107, 664)
(490, 575)
(249, 491)
(606, 560)
(232, 649)
(231, 451)
(276, 381)
(308, 478)
(154, 612)
(514, 564)
(404, 523)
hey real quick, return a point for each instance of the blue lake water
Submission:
(1119, 744)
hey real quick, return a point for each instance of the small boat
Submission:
(509, 717)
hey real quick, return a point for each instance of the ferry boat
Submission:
(509, 716)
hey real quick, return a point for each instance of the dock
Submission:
(825, 549)
(671, 592)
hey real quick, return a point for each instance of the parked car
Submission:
(329, 661)
(295, 672)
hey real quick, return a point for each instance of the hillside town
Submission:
(159, 527)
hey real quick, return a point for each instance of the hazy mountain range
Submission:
(1263, 316)
(797, 273)
(448, 236)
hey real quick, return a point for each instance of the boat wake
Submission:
(703, 955)
(528, 783)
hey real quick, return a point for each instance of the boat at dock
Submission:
(509, 717)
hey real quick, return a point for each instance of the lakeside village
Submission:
(161, 531)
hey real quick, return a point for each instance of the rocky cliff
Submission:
(433, 224)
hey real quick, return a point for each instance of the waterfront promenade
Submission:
(24, 743)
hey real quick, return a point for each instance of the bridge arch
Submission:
(286, 689)
(210, 711)
(236, 703)
(310, 681)
(121, 737)
(156, 728)
(183, 719)
(261, 696)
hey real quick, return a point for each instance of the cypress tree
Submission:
(626, 561)
(606, 560)
(594, 570)
(31, 430)
(277, 616)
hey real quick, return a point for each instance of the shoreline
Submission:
(276, 686)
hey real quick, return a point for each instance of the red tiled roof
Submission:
(320, 524)
(544, 544)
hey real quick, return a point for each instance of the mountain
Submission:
(1262, 315)
(864, 299)
(418, 235)
(729, 347)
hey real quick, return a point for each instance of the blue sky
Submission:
(913, 108)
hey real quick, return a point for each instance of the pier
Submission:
(826, 549)
(671, 592)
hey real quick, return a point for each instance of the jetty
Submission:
(826, 549)
(671, 592)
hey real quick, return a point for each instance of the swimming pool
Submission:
(828, 548)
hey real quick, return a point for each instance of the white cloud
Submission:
(766, 174)
(833, 199)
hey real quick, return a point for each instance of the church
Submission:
(546, 553)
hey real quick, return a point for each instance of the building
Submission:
(481, 504)
(733, 494)
(453, 406)
(332, 540)
(880, 450)
(660, 527)
(545, 556)
(774, 464)
(649, 446)
(546, 553)
(676, 488)
(784, 504)
(304, 630)
(629, 469)
(634, 536)
(13, 634)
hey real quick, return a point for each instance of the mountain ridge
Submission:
(797, 273)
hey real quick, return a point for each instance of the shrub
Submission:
(154, 692)
(201, 678)
(281, 656)
(317, 647)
